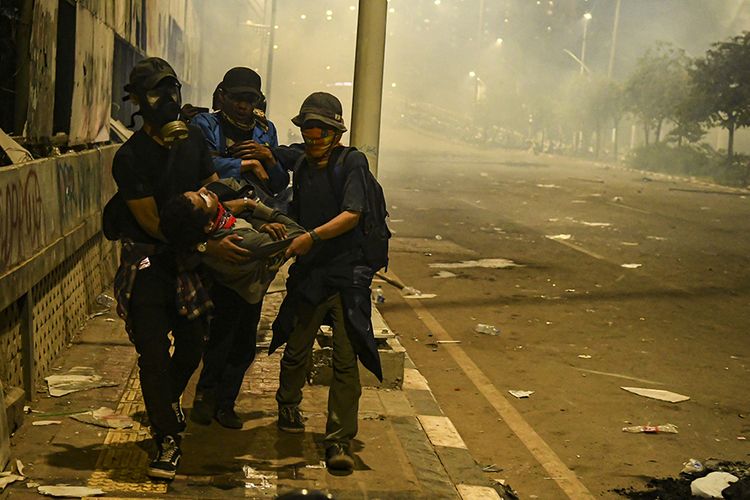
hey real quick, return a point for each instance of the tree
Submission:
(722, 80)
(656, 87)
(605, 104)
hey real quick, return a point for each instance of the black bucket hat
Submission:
(241, 81)
(322, 107)
(147, 74)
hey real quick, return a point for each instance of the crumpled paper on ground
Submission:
(78, 378)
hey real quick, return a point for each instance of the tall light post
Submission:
(586, 18)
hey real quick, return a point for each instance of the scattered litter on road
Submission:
(8, 479)
(559, 236)
(377, 295)
(594, 224)
(652, 429)
(487, 329)
(617, 199)
(483, 263)
(491, 468)
(105, 300)
(692, 466)
(97, 314)
(447, 341)
(553, 220)
(420, 295)
(629, 243)
(438, 237)
(656, 238)
(521, 394)
(741, 438)
(40, 423)
(484, 174)
(63, 490)
(395, 220)
(631, 266)
(444, 275)
(32, 484)
(319, 465)
(548, 186)
(661, 395)
(19, 467)
(78, 378)
(712, 485)
(254, 479)
(104, 417)
(579, 201)
(110, 320)
(584, 356)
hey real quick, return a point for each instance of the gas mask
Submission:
(160, 107)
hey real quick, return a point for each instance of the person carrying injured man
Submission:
(190, 219)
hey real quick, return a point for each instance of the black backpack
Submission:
(373, 222)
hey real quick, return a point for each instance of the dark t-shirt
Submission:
(142, 168)
(317, 202)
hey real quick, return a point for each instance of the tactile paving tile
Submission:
(121, 466)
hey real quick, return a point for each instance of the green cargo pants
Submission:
(343, 395)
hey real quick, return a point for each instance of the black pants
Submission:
(231, 346)
(153, 314)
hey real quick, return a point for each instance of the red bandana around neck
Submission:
(224, 219)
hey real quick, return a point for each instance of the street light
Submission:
(586, 18)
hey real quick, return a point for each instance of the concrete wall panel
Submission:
(92, 85)
(43, 48)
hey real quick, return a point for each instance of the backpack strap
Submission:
(335, 174)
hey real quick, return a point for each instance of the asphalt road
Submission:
(574, 324)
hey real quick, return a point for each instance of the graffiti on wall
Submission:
(21, 217)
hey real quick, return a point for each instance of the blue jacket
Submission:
(228, 167)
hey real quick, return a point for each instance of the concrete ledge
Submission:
(15, 400)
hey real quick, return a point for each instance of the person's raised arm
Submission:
(147, 215)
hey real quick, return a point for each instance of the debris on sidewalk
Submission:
(7, 478)
(105, 300)
(483, 263)
(521, 394)
(104, 417)
(712, 485)
(652, 429)
(447, 341)
(254, 479)
(656, 238)
(18, 467)
(629, 243)
(65, 491)
(491, 468)
(559, 237)
(594, 224)
(319, 465)
(692, 467)
(661, 395)
(548, 186)
(438, 237)
(487, 329)
(40, 423)
(78, 378)
(631, 266)
(377, 295)
(444, 275)
(412, 293)
(507, 492)
(584, 356)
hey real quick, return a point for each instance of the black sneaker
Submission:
(177, 408)
(203, 410)
(228, 418)
(290, 419)
(164, 465)
(338, 458)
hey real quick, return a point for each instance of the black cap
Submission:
(147, 74)
(322, 107)
(241, 80)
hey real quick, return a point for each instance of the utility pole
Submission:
(613, 47)
(586, 19)
(368, 79)
(269, 61)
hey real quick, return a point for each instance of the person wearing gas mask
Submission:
(239, 137)
(329, 280)
(157, 290)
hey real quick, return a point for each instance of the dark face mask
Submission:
(161, 108)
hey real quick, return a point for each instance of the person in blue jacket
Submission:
(239, 138)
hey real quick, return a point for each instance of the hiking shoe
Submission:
(164, 465)
(177, 408)
(203, 410)
(338, 458)
(228, 418)
(290, 419)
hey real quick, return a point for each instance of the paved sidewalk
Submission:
(406, 448)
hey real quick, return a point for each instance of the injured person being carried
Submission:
(196, 219)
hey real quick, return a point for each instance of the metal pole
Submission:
(614, 40)
(368, 79)
(23, 74)
(269, 61)
(583, 44)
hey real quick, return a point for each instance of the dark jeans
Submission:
(153, 313)
(231, 346)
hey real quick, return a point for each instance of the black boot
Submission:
(228, 418)
(204, 407)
